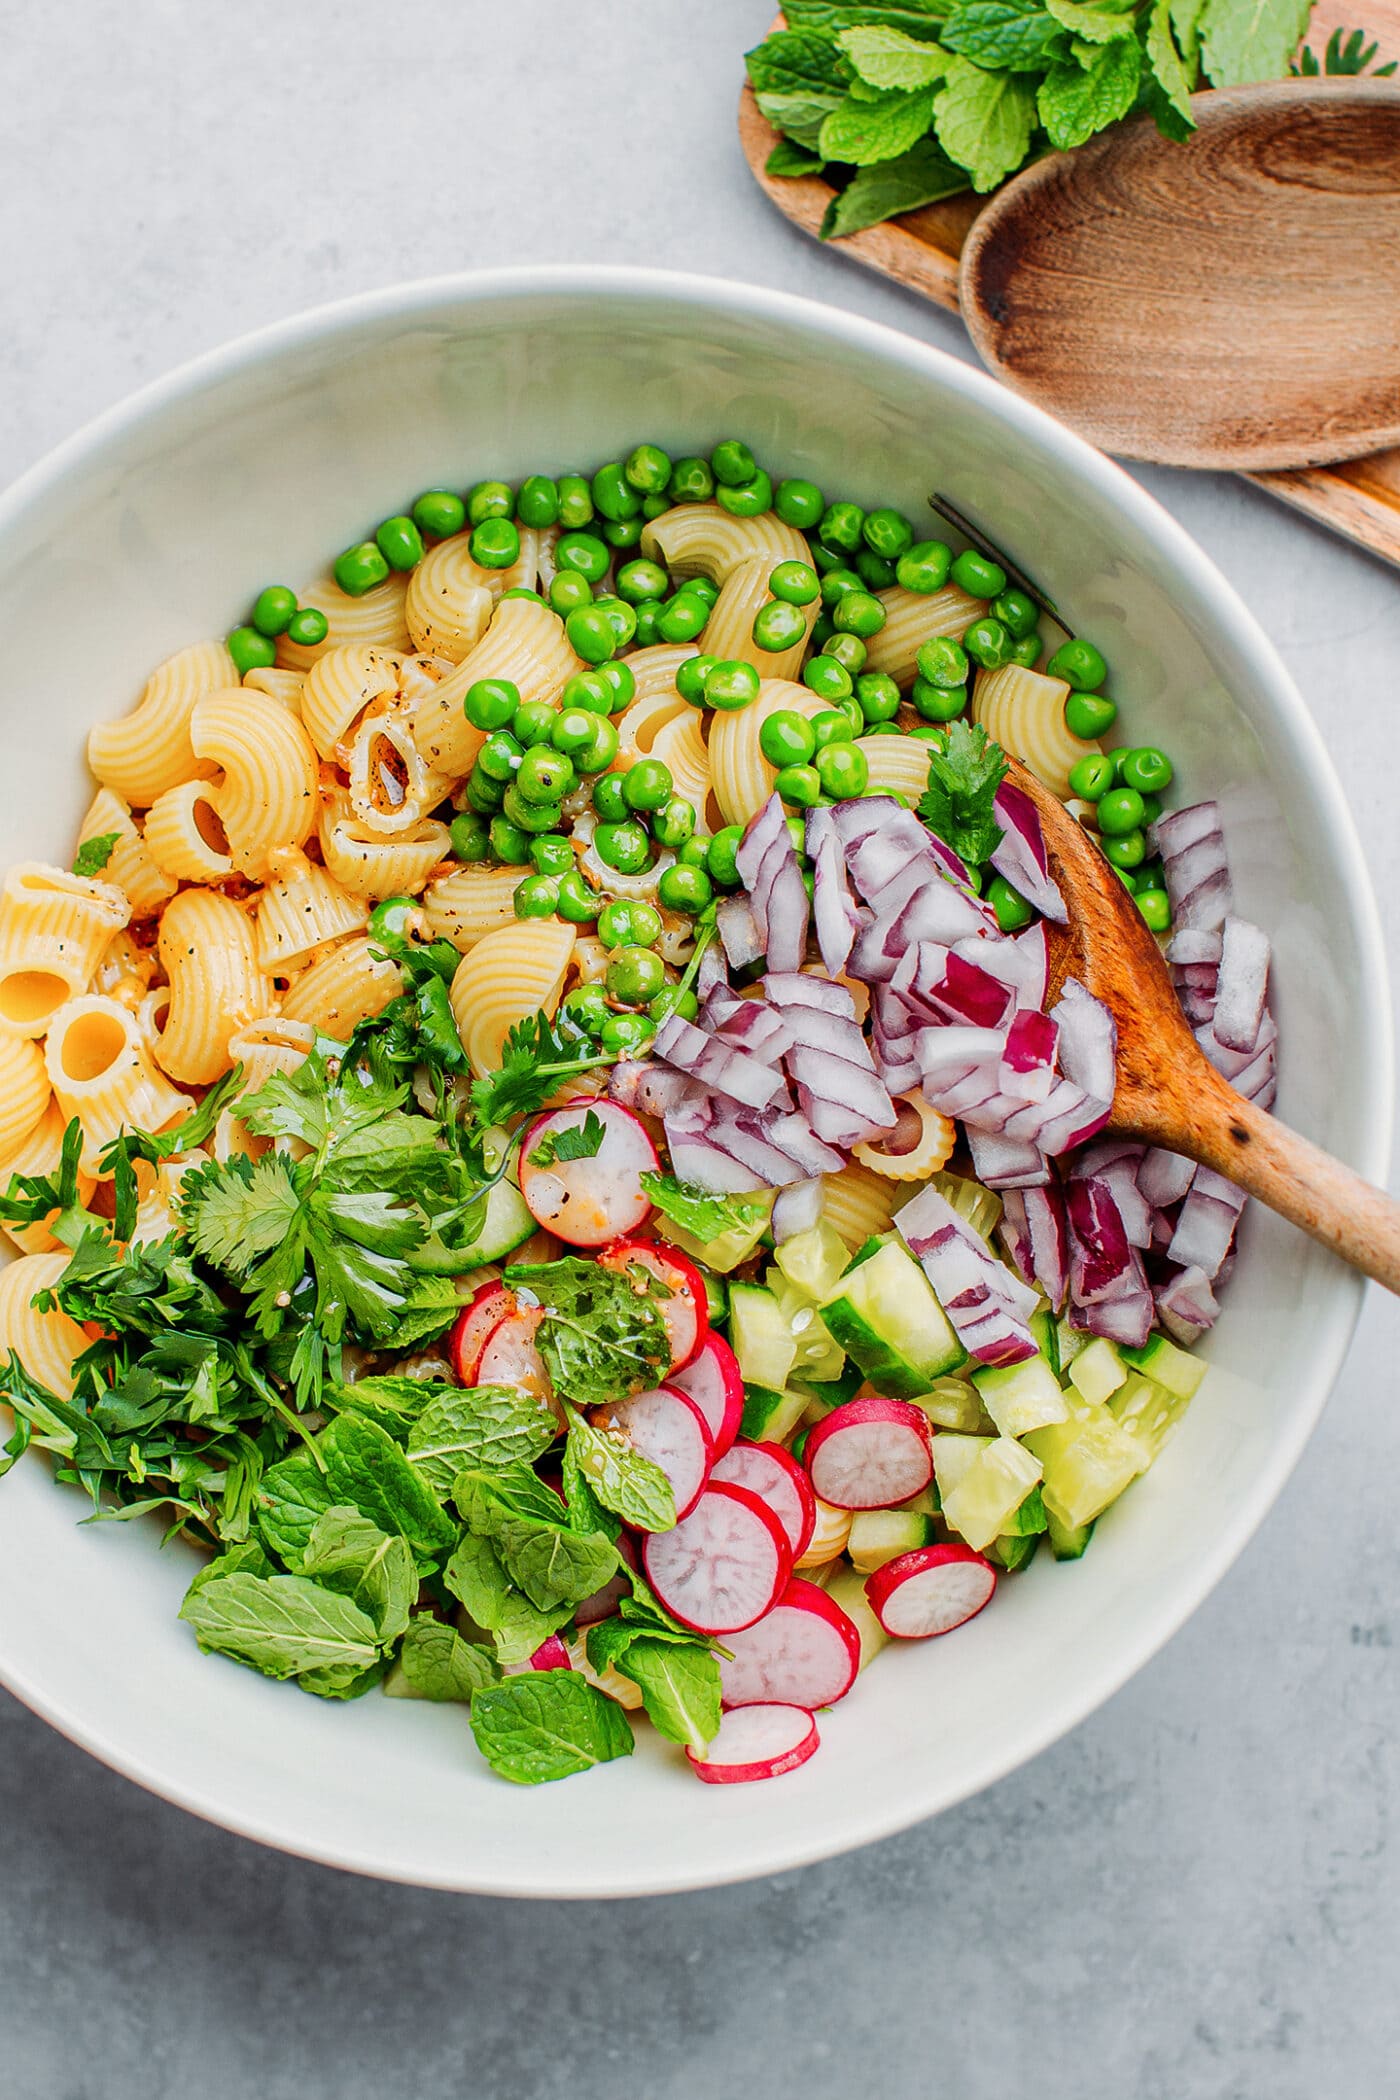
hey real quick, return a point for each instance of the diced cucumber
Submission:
(871, 1246)
(1147, 1411)
(1046, 1330)
(953, 1458)
(984, 1502)
(924, 1504)
(878, 1535)
(819, 1354)
(1021, 1396)
(982, 1207)
(1088, 1462)
(953, 1403)
(1165, 1364)
(506, 1226)
(1014, 1550)
(1028, 1518)
(814, 1261)
(1098, 1370)
(847, 1588)
(826, 1393)
(1067, 1541)
(770, 1417)
(716, 1295)
(885, 1316)
(1069, 1341)
(726, 1252)
(760, 1336)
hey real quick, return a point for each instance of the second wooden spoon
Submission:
(1233, 301)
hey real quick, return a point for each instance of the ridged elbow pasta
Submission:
(340, 685)
(681, 747)
(207, 951)
(149, 750)
(647, 714)
(346, 987)
(53, 929)
(1024, 712)
(700, 539)
(729, 629)
(450, 599)
(743, 779)
(40, 1153)
(898, 763)
(504, 979)
(269, 1044)
(125, 969)
(24, 1090)
(390, 785)
(525, 643)
(470, 903)
(371, 866)
(129, 864)
(267, 799)
(377, 617)
(857, 1204)
(101, 1072)
(185, 834)
(654, 669)
(300, 910)
(913, 618)
(285, 687)
(46, 1343)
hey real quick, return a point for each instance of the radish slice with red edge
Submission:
(587, 1202)
(551, 1655)
(723, 1566)
(712, 1380)
(870, 1454)
(669, 1429)
(805, 1652)
(475, 1325)
(686, 1311)
(757, 1742)
(777, 1479)
(511, 1358)
(930, 1591)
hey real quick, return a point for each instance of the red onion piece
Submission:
(797, 1209)
(1108, 1289)
(1164, 1177)
(730, 1071)
(1034, 1232)
(1020, 856)
(696, 1160)
(738, 932)
(1116, 1162)
(987, 1305)
(1001, 1162)
(1206, 1223)
(652, 1090)
(1187, 1306)
(833, 908)
(1242, 985)
(1196, 867)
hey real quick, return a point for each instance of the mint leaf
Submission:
(394, 1403)
(583, 1509)
(479, 1582)
(348, 1554)
(1003, 34)
(280, 1624)
(547, 1724)
(1186, 27)
(528, 1527)
(366, 1469)
(246, 1558)
(93, 855)
(1244, 40)
(828, 17)
(1170, 70)
(1096, 25)
(483, 1425)
(920, 176)
(436, 1663)
(680, 1688)
(704, 1216)
(984, 121)
(602, 1337)
(291, 1496)
(622, 1479)
(1076, 101)
(887, 58)
(790, 160)
(876, 129)
(575, 1141)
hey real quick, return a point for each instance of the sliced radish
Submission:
(757, 1742)
(604, 1602)
(686, 1310)
(712, 1380)
(551, 1655)
(777, 1479)
(588, 1202)
(511, 1358)
(870, 1453)
(930, 1591)
(668, 1428)
(805, 1652)
(723, 1566)
(476, 1323)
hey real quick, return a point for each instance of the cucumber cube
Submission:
(1165, 1364)
(1045, 1329)
(878, 1535)
(847, 1588)
(993, 1488)
(1014, 1550)
(885, 1316)
(1147, 1411)
(1067, 1541)
(1098, 1370)
(1021, 1396)
(1069, 1342)
(727, 1251)
(1029, 1518)
(955, 1404)
(760, 1336)
(770, 1417)
(953, 1458)
(814, 1261)
(819, 1355)
(1088, 1462)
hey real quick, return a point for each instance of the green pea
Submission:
(673, 824)
(787, 738)
(439, 512)
(621, 685)
(731, 685)
(589, 690)
(1147, 769)
(778, 625)
(575, 502)
(1126, 849)
(308, 628)
(568, 591)
(837, 584)
(874, 571)
(1010, 906)
(532, 816)
(621, 1034)
(491, 703)
(628, 923)
(685, 889)
(577, 902)
(1156, 910)
(938, 703)
(495, 543)
(888, 532)
(642, 579)
(750, 500)
(691, 676)
(545, 775)
(850, 709)
(795, 582)
(274, 609)
(591, 634)
(360, 568)
(797, 832)
(647, 631)
(584, 553)
(1119, 812)
(1087, 715)
(471, 841)
(799, 786)
(942, 661)
(1091, 777)
(732, 463)
(702, 588)
(1152, 877)
(250, 650)
(598, 754)
(691, 481)
(624, 846)
(925, 567)
(400, 542)
(848, 650)
(672, 1000)
(842, 525)
(490, 499)
(1018, 613)
(390, 918)
(622, 532)
(980, 578)
(613, 494)
(621, 616)
(1080, 662)
(533, 723)
(509, 843)
(648, 469)
(824, 559)
(831, 726)
(586, 1005)
(647, 785)
(695, 852)
(988, 643)
(844, 771)
(878, 696)
(655, 507)
(538, 502)
(857, 612)
(929, 733)
(536, 897)
(720, 862)
(682, 618)
(799, 503)
(826, 678)
(572, 730)
(484, 795)
(1026, 652)
(551, 853)
(519, 590)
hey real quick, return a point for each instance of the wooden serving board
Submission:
(1358, 498)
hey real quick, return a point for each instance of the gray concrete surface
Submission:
(1194, 1897)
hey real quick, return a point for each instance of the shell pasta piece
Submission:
(344, 988)
(450, 599)
(742, 777)
(377, 617)
(729, 629)
(40, 1153)
(701, 539)
(913, 618)
(371, 866)
(185, 834)
(896, 762)
(507, 976)
(525, 643)
(207, 951)
(465, 906)
(149, 750)
(24, 1090)
(302, 909)
(46, 1343)
(54, 928)
(857, 1204)
(340, 685)
(129, 864)
(1024, 712)
(268, 797)
(102, 1072)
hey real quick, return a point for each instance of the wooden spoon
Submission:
(1168, 1092)
(1233, 301)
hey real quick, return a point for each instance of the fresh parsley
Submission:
(93, 855)
(575, 1141)
(537, 1055)
(962, 782)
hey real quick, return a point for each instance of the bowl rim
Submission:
(1221, 604)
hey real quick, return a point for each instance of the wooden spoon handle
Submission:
(1297, 1179)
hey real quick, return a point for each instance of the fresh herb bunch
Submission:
(959, 803)
(900, 105)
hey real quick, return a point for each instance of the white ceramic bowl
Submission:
(157, 525)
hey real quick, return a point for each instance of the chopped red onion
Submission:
(1116, 1161)
(1164, 1177)
(1088, 1041)
(794, 1135)
(1034, 1230)
(1194, 862)
(1187, 1306)
(696, 1160)
(1206, 1223)
(798, 1209)
(653, 1090)
(744, 1135)
(710, 970)
(987, 1305)
(738, 931)
(1020, 856)
(1108, 1289)
(746, 1024)
(841, 1093)
(1006, 1163)
(768, 865)
(729, 1070)
(833, 908)
(1242, 985)
(1028, 1055)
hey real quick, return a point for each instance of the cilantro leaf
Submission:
(623, 1480)
(888, 58)
(237, 1211)
(93, 855)
(704, 1216)
(547, 1724)
(984, 120)
(1244, 40)
(862, 130)
(602, 1335)
(1076, 100)
(536, 1056)
(963, 780)
(36, 1199)
(435, 1662)
(920, 176)
(282, 1625)
(575, 1141)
